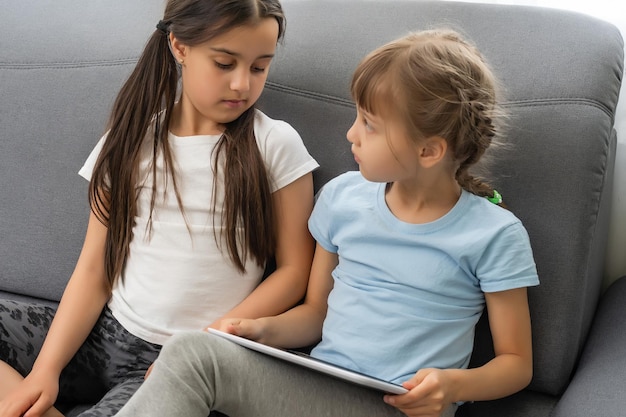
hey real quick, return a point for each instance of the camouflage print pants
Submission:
(107, 369)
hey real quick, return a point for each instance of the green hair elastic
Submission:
(496, 199)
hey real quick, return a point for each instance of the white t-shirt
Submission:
(177, 278)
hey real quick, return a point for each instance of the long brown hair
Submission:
(142, 111)
(441, 86)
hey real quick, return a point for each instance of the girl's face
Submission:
(382, 148)
(225, 76)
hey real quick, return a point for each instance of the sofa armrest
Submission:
(597, 388)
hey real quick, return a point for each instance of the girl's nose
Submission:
(351, 135)
(240, 80)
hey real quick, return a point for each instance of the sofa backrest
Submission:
(61, 65)
(562, 73)
(62, 62)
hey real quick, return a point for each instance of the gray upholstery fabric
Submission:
(598, 388)
(61, 63)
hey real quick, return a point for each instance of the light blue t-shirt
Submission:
(408, 296)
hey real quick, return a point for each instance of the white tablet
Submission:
(307, 361)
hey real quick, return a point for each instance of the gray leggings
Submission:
(107, 369)
(199, 372)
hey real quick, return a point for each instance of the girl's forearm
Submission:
(78, 311)
(302, 325)
(299, 327)
(294, 252)
(276, 294)
(504, 375)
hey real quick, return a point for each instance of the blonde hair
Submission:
(439, 85)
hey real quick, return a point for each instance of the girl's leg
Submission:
(108, 358)
(114, 399)
(450, 411)
(9, 378)
(118, 362)
(23, 327)
(199, 372)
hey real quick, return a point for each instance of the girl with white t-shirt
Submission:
(192, 191)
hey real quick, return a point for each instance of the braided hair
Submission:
(441, 86)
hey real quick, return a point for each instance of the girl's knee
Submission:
(196, 356)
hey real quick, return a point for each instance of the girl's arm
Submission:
(286, 285)
(81, 305)
(301, 325)
(82, 302)
(508, 372)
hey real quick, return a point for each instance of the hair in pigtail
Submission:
(446, 89)
(143, 110)
(248, 219)
(137, 110)
(247, 188)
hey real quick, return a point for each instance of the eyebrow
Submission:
(238, 55)
(369, 115)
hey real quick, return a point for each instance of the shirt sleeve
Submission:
(87, 170)
(507, 261)
(320, 222)
(284, 153)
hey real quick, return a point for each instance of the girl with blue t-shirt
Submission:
(409, 252)
(192, 191)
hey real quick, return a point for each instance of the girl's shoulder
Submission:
(282, 149)
(490, 210)
(487, 221)
(278, 140)
(350, 184)
(265, 128)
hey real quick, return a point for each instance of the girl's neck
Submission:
(186, 121)
(418, 202)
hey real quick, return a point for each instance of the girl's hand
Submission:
(252, 329)
(34, 396)
(429, 394)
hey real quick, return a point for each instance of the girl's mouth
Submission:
(234, 103)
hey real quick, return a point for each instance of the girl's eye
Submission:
(367, 125)
(223, 66)
(258, 69)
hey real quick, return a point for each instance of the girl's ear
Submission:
(432, 150)
(179, 49)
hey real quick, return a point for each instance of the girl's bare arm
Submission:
(286, 285)
(301, 325)
(512, 367)
(81, 305)
(82, 302)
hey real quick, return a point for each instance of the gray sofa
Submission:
(62, 61)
